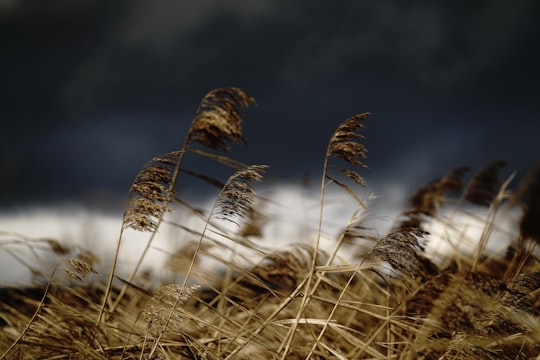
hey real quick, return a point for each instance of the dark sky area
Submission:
(91, 90)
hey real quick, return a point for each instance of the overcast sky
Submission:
(91, 90)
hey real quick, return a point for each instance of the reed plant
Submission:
(367, 297)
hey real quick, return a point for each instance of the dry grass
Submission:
(388, 301)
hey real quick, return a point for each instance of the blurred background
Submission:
(91, 90)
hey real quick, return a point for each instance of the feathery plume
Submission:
(57, 247)
(427, 199)
(402, 250)
(238, 194)
(78, 269)
(165, 300)
(344, 145)
(150, 193)
(218, 119)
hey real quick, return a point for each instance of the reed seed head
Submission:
(238, 194)
(218, 119)
(163, 304)
(150, 193)
(79, 270)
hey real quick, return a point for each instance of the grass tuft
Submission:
(369, 296)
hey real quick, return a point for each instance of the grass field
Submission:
(440, 284)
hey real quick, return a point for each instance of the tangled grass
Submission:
(389, 300)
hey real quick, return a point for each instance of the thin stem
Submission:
(170, 192)
(490, 220)
(331, 315)
(34, 316)
(306, 299)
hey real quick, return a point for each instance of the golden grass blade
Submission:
(216, 121)
(259, 302)
(344, 145)
(225, 160)
(234, 200)
(348, 190)
(208, 179)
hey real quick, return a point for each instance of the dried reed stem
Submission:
(216, 121)
(234, 200)
(344, 145)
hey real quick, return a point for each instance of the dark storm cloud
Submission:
(91, 90)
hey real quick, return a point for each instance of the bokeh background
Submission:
(91, 90)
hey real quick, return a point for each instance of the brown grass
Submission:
(387, 300)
